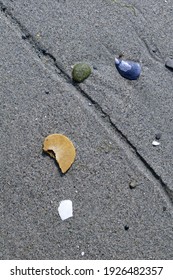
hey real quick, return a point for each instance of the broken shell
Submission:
(65, 209)
(80, 72)
(155, 143)
(128, 69)
(61, 148)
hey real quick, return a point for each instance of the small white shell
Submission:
(65, 209)
(155, 143)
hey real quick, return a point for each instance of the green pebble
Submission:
(80, 72)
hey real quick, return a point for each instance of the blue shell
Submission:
(128, 69)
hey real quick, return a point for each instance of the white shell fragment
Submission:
(65, 209)
(155, 143)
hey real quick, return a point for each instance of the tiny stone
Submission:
(95, 68)
(126, 227)
(38, 36)
(132, 184)
(80, 72)
(89, 104)
(47, 92)
(164, 208)
(24, 37)
(158, 136)
(44, 51)
(83, 253)
(169, 62)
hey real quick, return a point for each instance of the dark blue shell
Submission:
(128, 69)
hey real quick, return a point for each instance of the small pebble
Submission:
(169, 62)
(83, 253)
(95, 68)
(47, 92)
(158, 136)
(80, 72)
(4, 9)
(164, 208)
(24, 37)
(154, 50)
(126, 227)
(132, 184)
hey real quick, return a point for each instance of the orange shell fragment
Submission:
(61, 148)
